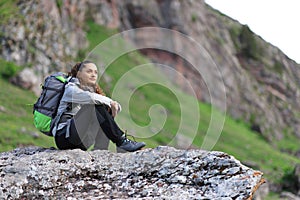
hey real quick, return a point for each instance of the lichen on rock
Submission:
(159, 173)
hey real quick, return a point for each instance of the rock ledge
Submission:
(160, 173)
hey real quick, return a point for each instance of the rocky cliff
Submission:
(160, 173)
(262, 84)
(42, 37)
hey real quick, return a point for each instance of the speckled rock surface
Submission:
(160, 173)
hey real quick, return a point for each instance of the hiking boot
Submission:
(129, 145)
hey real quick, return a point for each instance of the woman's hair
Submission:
(78, 67)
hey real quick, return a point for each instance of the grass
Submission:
(8, 8)
(273, 196)
(16, 125)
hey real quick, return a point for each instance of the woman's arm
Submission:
(76, 95)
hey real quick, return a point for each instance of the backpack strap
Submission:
(42, 107)
(50, 88)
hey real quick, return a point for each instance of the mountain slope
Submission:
(262, 84)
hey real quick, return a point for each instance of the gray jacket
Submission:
(73, 98)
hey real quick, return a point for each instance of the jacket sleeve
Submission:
(76, 95)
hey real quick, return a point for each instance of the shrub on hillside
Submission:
(9, 69)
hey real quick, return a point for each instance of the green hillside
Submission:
(17, 130)
(16, 125)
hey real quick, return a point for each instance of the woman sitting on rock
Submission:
(85, 113)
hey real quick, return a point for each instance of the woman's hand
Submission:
(114, 108)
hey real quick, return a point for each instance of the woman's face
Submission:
(88, 74)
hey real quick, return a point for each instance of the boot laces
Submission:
(126, 135)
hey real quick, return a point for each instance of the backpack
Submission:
(45, 109)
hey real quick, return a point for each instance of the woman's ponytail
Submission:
(75, 69)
